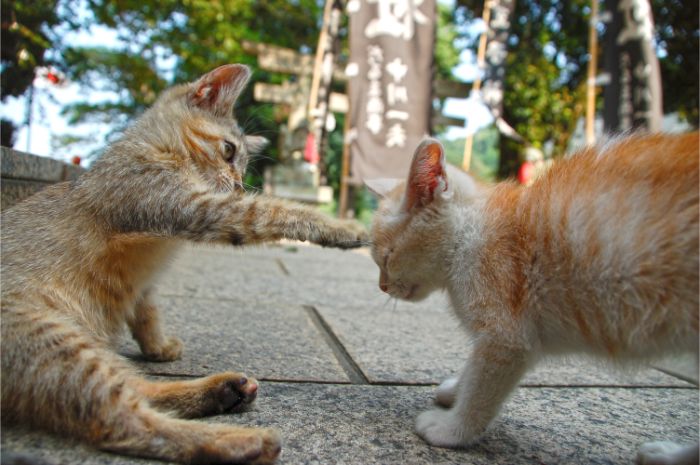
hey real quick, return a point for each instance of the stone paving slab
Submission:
(681, 366)
(423, 343)
(278, 342)
(347, 424)
(262, 277)
(391, 341)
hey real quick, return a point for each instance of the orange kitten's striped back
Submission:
(607, 246)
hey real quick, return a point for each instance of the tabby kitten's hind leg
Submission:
(146, 329)
(223, 392)
(75, 386)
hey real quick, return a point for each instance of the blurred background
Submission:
(75, 73)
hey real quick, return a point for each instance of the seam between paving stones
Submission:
(418, 385)
(347, 363)
(680, 376)
(282, 266)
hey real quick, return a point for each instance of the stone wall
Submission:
(24, 174)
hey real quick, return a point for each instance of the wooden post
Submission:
(345, 170)
(322, 77)
(481, 54)
(318, 61)
(592, 70)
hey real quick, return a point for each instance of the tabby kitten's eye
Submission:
(229, 151)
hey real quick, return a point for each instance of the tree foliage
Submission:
(678, 37)
(545, 72)
(25, 39)
(166, 42)
(546, 67)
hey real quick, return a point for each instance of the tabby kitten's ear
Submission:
(427, 177)
(381, 187)
(256, 144)
(218, 90)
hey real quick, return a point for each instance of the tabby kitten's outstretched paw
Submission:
(168, 350)
(342, 234)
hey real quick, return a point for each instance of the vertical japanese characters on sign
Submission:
(633, 97)
(391, 54)
(494, 73)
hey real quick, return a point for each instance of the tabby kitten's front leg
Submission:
(146, 329)
(169, 209)
(491, 374)
(266, 219)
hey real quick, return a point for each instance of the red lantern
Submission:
(526, 172)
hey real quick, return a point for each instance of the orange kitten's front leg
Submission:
(146, 330)
(491, 374)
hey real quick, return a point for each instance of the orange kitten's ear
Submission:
(427, 176)
(218, 90)
(256, 144)
(381, 187)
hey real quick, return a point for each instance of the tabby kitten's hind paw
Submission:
(260, 446)
(234, 391)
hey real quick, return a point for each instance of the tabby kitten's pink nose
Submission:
(383, 287)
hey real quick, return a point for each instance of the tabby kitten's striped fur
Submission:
(79, 260)
(600, 255)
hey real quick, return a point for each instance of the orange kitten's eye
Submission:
(229, 151)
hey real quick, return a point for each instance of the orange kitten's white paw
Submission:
(169, 350)
(442, 428)
(446, 392)
(667, 453)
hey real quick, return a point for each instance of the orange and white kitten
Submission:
(600, 256)
(79, 260)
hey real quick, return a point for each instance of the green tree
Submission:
(26, 36)
(678, 38)
(166, 42)
(484, 162)
(546, 67)
(197, 35)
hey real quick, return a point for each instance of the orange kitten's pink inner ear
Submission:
(218, 90)
(427, 174)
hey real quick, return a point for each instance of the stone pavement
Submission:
(344, 371)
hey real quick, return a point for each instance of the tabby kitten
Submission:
(600, 255)
(79, 260)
